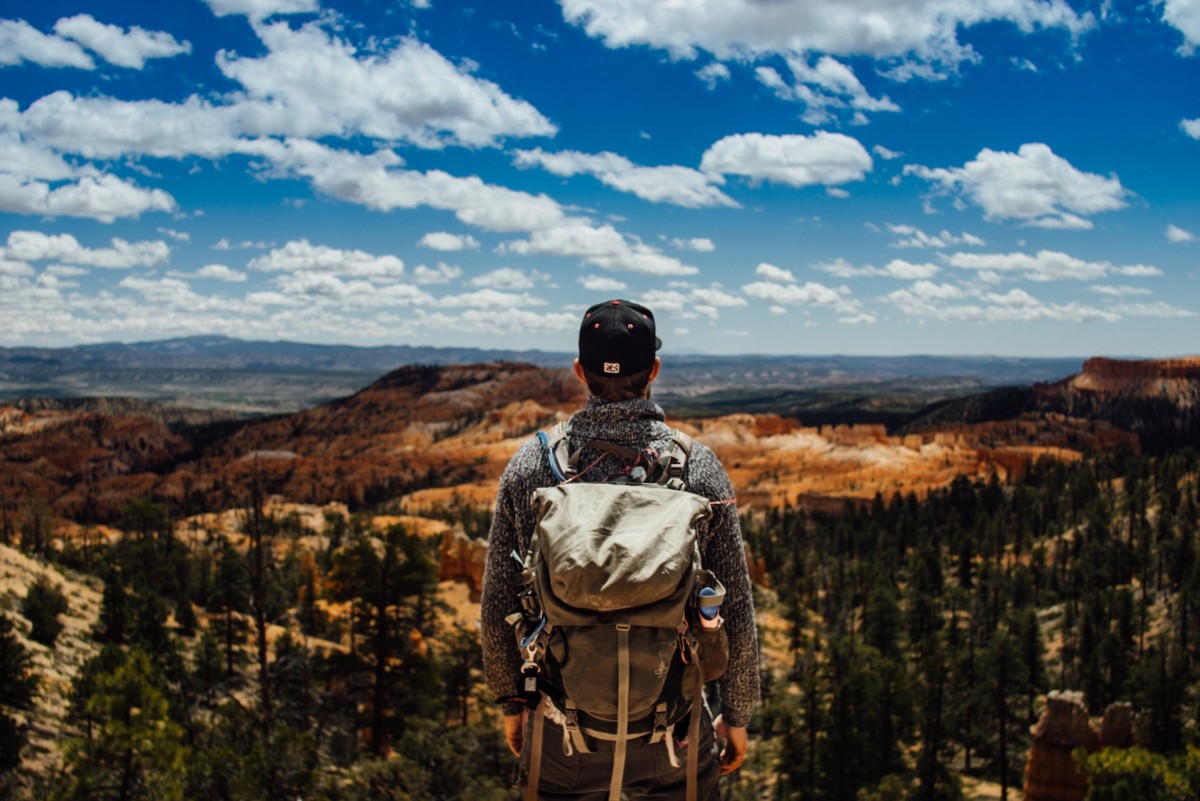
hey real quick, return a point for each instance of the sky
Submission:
(808, 177)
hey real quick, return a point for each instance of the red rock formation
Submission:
(462, 559)
(1051, 773)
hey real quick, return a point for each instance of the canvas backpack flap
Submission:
(609, 547)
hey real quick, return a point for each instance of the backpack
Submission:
(618, 625)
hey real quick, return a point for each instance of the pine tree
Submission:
(136, 752)
(17, 686)
(43, 604)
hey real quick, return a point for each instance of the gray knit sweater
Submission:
(635, 424)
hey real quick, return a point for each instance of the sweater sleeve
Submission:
(512, 526)
(723, 553)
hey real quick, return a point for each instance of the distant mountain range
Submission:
(254, 377)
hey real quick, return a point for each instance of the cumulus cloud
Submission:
(810, 294)
(1046, 265)
(506, 278)
(105, 198)
(312, 84)
(823, 158)
(601, 246)
(1178, 235)
(124, 48)
(33, 246)
(1033, 186)
(826, 88)
(774, 274)
(896, 268)
(1119, 291)
(441, 240)
(221, 272)
(1191, 128)
(1184, 16)
(692, 302)
(602, 283)
(713, 73)
(699, 244)
(20, 41)
(678, 186)
(441, 274)
(948, 303)
(261, 9)
(299, 256)
(912, 237)
(1156, 309)
(926, 29)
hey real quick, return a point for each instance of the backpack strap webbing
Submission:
(619, 747)
(535, 754)
(564, 461)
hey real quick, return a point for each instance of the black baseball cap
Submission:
(617, 338)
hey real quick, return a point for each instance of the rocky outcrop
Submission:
(1051, 773)
(462, 559)
(1176, 380)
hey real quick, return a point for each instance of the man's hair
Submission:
(619, 388)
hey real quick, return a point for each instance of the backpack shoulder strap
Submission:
(672, 463)
(557, 449)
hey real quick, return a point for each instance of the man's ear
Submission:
(578, 370)
(654, 369)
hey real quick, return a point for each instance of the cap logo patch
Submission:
(612, 367)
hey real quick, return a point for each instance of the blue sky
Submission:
(991, 177)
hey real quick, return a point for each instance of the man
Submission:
(618, 363)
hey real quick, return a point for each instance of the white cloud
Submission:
(1184, 15)
(441, 240)
(713, 73)
(1033, 186)
(603, 247)
(885, 153)
(823, 158)
(927, 301)
(311, 84)
(693, 303)
(1191, 128)
(20, 41)
(372, 181)
(105, 198)
(225, 244)
(1046, 265)
(896, 268)
(679, 186)
(1119, 291)
(912, 237)
(442, 274)
(1156, 309)
(774, 274)
(810, 294)
(1177, 235)
(299, 256)
(220, 272)
(826, 87)
(602, 283)
(489, 298)
(179, 236)
(506, 278)
(699, 244)
(261, 9)
(125, 48)
(29, 246)
(928, 29)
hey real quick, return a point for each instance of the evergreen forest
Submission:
(908, 646)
